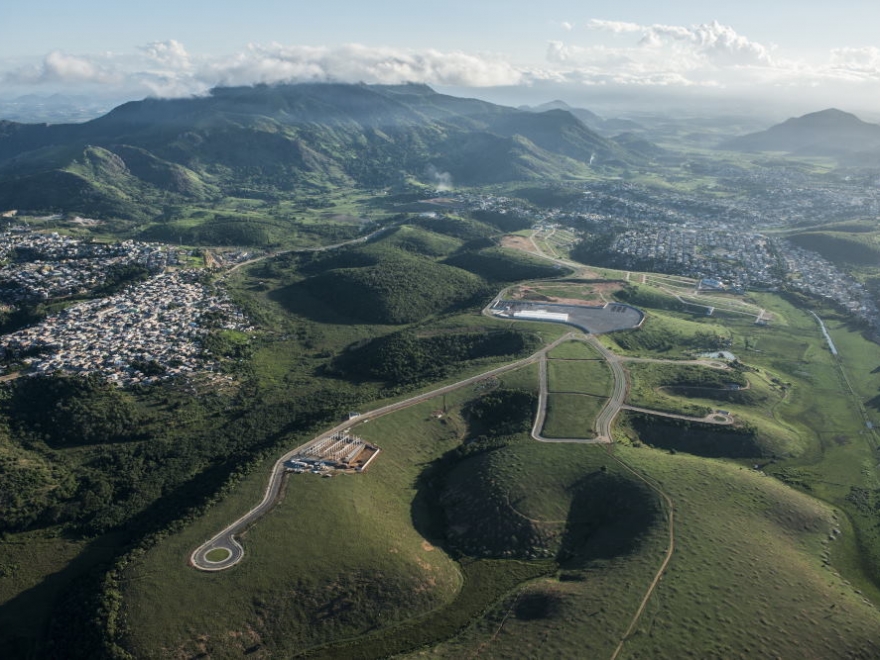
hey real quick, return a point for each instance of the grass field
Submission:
(572, 415)
(331, 546)
(747, 580)
(579, 376)
(218, 554)
(34, 570)
(575, 350)
(650, 388)
(805, 411)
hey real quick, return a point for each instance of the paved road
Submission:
(609, 411)
(225, 539)
(320, 248)
(711, 418)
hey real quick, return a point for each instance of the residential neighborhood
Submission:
(731, 240)
(147, 332)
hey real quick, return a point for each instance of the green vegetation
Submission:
(670, 337)
(574, 350)
(397, 289)
(501, 265)
(847, 248)
(218, 554)
(405, 358)
(579, 377)
(403, 487)
(465, 538)
(572, 415)
(662, 387)
(745, 576)
(695, 438)
(746, 573)
(420, 241)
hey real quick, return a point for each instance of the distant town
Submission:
(728, 243)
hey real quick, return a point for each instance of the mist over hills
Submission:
(275, 140)
(590, 119)
(829, 132)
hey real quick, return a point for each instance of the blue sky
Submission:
(798, 53)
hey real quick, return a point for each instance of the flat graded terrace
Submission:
(596, 320)
(572, 415)
(575, 350)
(579, 377)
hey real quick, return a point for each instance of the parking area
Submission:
(595, 319)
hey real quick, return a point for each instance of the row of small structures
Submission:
(338, 452)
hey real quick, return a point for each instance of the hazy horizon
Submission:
(781, 60)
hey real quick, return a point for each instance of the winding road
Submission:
(609, 411)
(225, 551)
(223, 547)
(222, 551)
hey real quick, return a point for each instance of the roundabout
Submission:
(218, 554)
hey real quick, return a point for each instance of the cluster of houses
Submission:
(47, 266)
(820, 277)
(742, 259)
(146, 333)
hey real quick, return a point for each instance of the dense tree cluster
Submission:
(405, 357)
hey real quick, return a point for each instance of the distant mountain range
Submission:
(275, 141)
(830, 132)
(590, 119)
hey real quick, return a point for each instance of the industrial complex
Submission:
(338, 452)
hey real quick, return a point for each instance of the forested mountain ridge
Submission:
(282, 139)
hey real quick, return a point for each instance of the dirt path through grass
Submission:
(670, 548)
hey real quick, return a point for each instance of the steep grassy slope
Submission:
(747, 579)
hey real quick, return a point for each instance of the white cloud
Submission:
(711, 43)
(617, 27)
(170, 54)
(608, 55)
(718, 44)
(857, 59)
(356, 63)
(166, 68)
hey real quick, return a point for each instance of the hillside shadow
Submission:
(26, 619)
(296, 299)
(707, 440)
(427, 513)
(608, 518)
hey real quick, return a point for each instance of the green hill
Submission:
(398, 288)
(845, 248)
(420, 241)
(499, 265)
(406, 357)
(285, 139)
(830, 132)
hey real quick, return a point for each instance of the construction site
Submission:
(340, 452)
